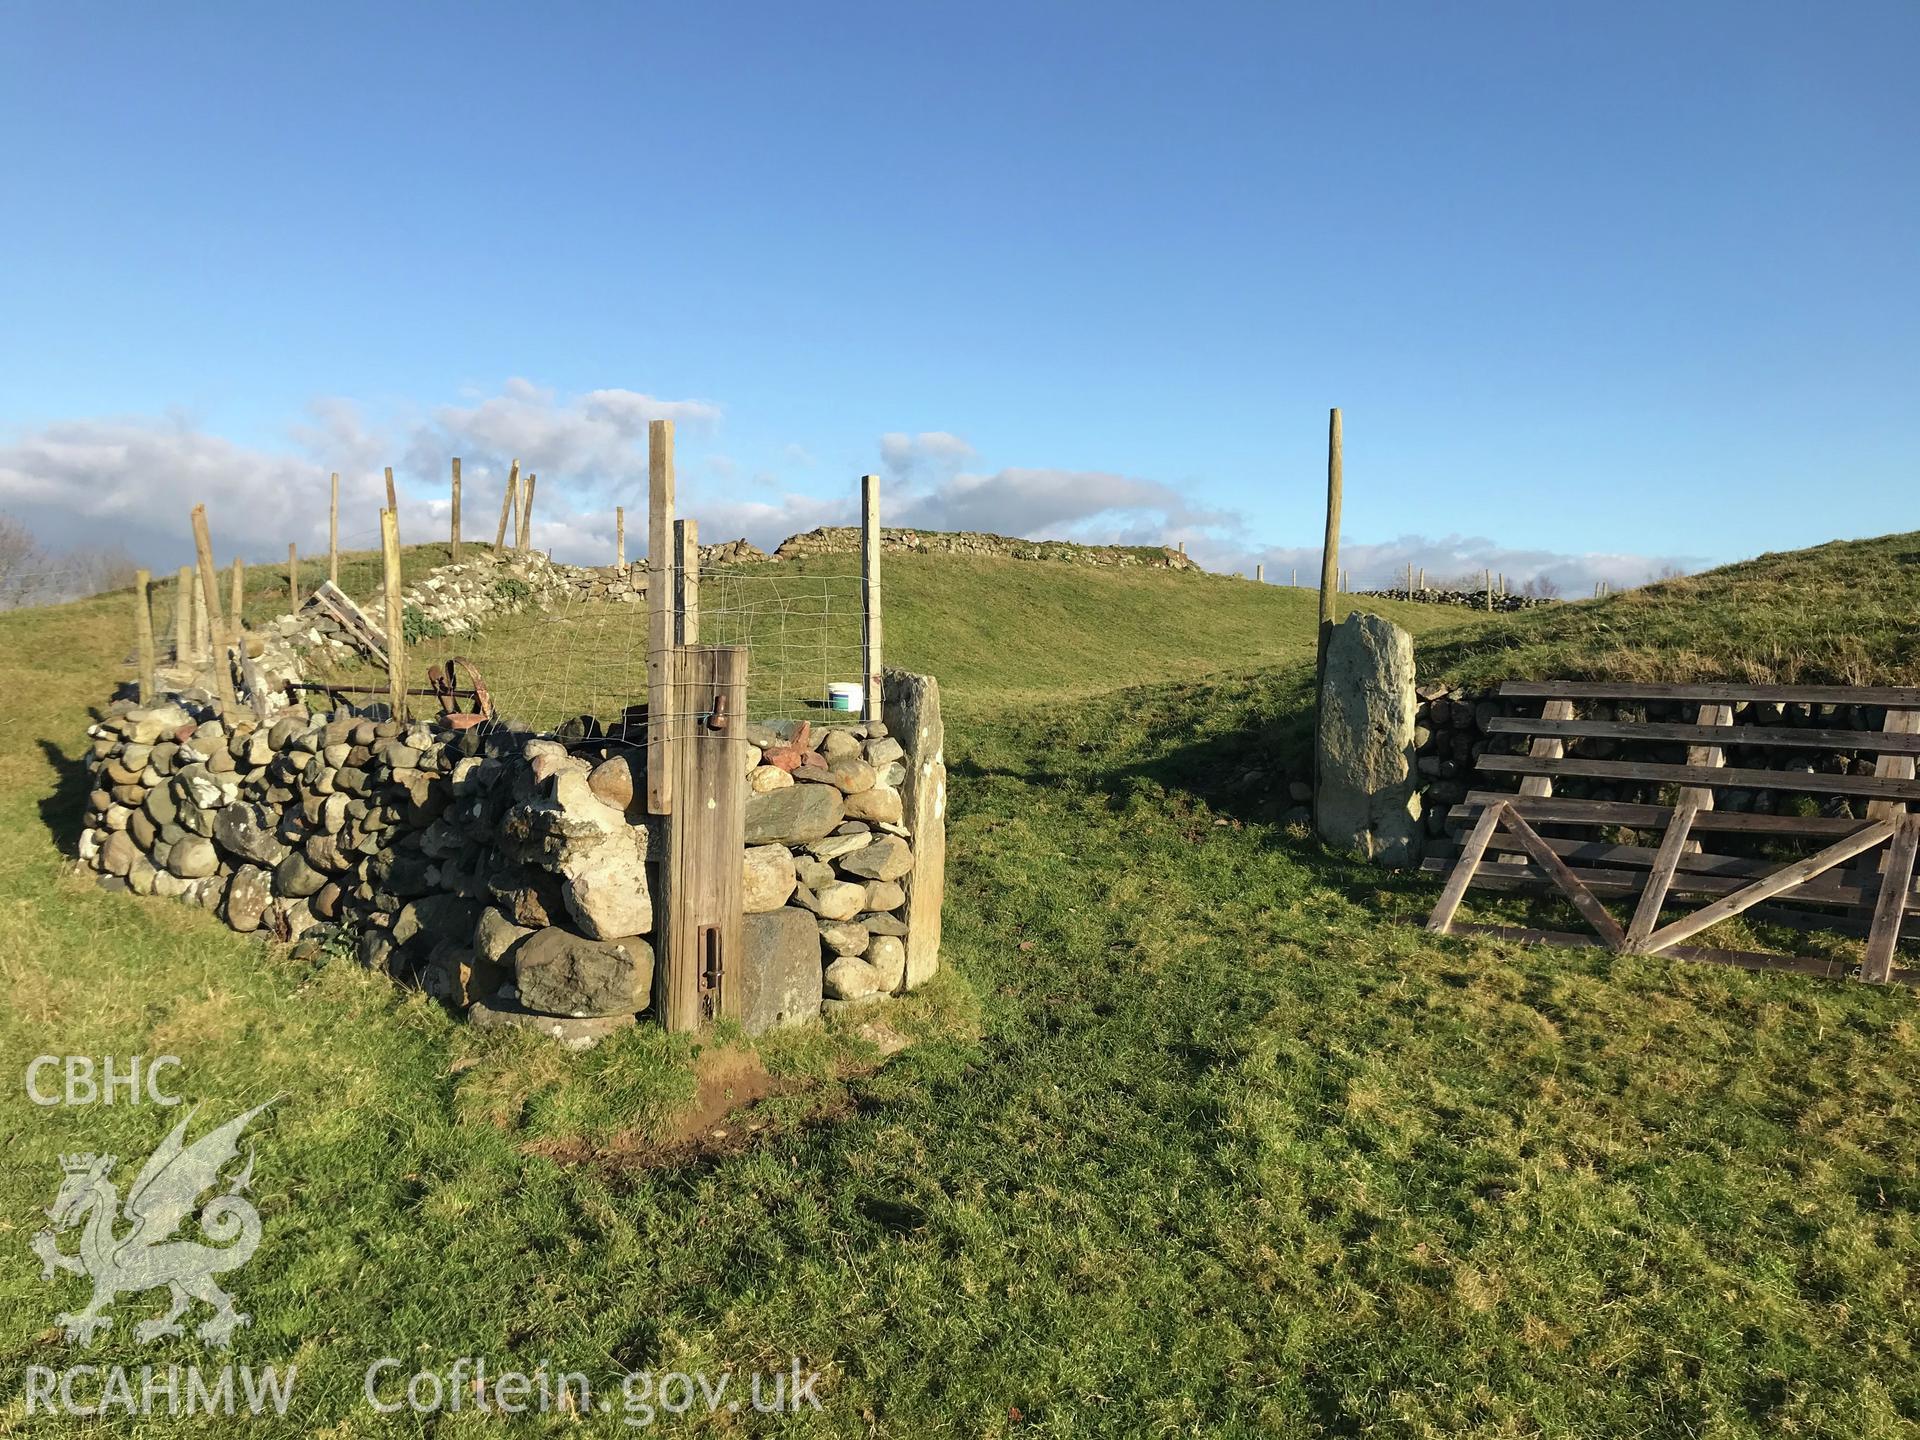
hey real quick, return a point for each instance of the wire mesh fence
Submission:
(802, 627)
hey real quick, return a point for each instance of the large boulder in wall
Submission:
(1367, 801)
(780, 981)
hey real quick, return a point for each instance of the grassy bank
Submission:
(1845, 613)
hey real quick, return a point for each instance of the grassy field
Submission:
(1198, 1140)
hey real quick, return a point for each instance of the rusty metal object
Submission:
(445, 687)
(442, 686)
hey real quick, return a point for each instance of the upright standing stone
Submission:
(1364, 753)
(912, 714)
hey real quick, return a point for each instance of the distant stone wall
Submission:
(1466, 599)
(508, 873)
(845, 540)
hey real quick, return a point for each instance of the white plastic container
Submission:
(844, 695)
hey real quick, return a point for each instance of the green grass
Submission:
(1844, 613)
(1199, 1142)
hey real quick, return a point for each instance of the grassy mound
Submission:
(1845, 613)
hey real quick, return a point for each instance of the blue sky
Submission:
(1595, 287)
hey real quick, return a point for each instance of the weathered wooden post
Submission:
(183, 615)
(508, 503)
(870, 648)
(396, 626)
(237, 599)
(1486, 578)
(660, 588)
(143, 636)
(333, 534)
(1329, 573)
(701, 879)
(620, 536)
(216, 626)
(392, 503)
(456, 510)
(686, 580)
(526, 513)
(202, 636)
(293, 577)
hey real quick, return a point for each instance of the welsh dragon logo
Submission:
(149, 1255)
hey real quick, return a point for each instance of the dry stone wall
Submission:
(508, 873)
(845, 540)
(1467, 599)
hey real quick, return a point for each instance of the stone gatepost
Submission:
(1366, 799)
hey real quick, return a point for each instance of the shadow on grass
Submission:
(64, 807)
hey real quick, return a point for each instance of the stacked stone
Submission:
(1470, 599)
(827, 853)
(277, 823)
(560, 938)
(846, 540)
(1452, 733)
(504, 873)
(460, 598)
(732, 552)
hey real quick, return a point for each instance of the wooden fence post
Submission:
(183, 615)
(1486, 578)
(237, 599)
(507, 506)
(216, 626)
(526, 513)
(620, 536)
(143, 635)
(701, 880)
(396, 628)
(686, 580)
(456, 510)
(202, 638)
(1329, 578)
(293, 577)
(870, 648)
(392, 503)
(333, 533)
(660, 587)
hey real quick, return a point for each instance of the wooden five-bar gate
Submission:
(1858, 880)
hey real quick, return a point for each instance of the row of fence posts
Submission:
(201, 627)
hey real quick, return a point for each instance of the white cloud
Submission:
(931, 452)
(132, 481)
(1449, 558)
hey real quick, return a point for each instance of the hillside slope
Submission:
(1847, 612)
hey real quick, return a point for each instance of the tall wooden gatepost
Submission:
(696, 772)
(700, 876)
